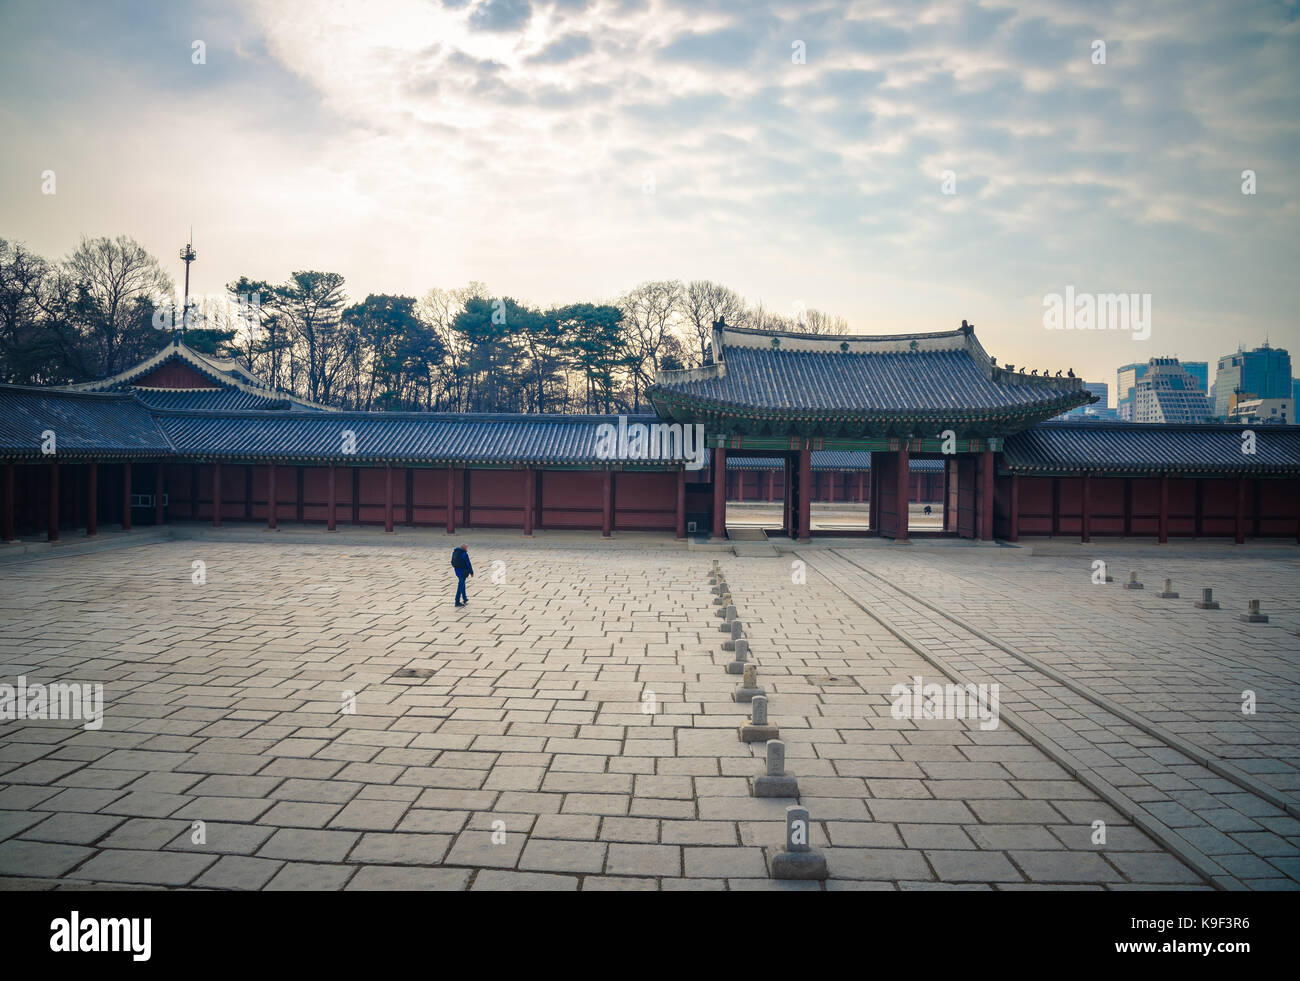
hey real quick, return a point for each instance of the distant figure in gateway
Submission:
(461, 564)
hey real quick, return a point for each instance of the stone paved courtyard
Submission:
(573, 726)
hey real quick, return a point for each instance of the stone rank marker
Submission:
(728, 615)
(776, 782)
(1207, 601)
(737, 629)
(757, 729)
(739, 665)
(748, 689)
(1167, 592)
(1252, 614)
(1133, 582)
(799, 860)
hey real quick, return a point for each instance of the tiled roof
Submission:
(828, 460)
(83, 425)
(1076, 447)
(922, 376)
(212, 399)
(400, 437)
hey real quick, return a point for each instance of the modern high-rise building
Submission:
(1264, 373)
(1126, 382)
(1098, 410)
(1167, 392)
(1200, 370)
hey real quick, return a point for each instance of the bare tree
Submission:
(651, 314)
(703, 303)
(116, 278)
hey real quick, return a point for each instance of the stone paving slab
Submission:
(572, 727)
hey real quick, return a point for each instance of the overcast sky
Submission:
(563, 151)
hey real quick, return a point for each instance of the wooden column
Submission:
(1015, 507)
(158, 494)
(873, 515)
(451, 500)
(948, 466)
(271, 495)
(786, 527)
(607, 505)
(740, 486)
(331, 505)
(388, 497)
(805, 490)
(7, 525)
(1162, 535)
(1240, 535)
(901, 502)
(52, 532)
(92, 500)
(986, 495)
(1085, 509)
(126, 496)
(771, 485)
(719, 493)
(216, 495)
(681, 503)
(530, 492)
(297, 494)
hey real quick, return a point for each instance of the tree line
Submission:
(111, 304)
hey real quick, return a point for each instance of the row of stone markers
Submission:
(1206, 602)
(798, 860)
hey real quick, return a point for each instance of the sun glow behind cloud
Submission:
(409, 143)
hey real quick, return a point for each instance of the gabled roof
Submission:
(874, 383)
(1136, 448)
(227, 375)
(84, 425)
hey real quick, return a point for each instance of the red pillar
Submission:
(1015, 507)
(1085, 507)
(216, 495)
(52, 532)
(451, 500)
(948, 466)
(740, 486)
(901, 502)
(331, 506)
(607, 505)
(1241, 511)
(1163, 535)
(805, 490)
(388, 497)
(92, 500)
(158, 494)
(719, 492)
(7, 532)
(126, 496)
(530, 478)
(986, 487)
(771, 485)
(681, 503)
(786, 524)
(271, 497)
(873, 515)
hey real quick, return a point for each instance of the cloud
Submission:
(501, 15)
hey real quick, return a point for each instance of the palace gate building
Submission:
(187, 437)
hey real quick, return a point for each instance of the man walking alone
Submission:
(461, 564)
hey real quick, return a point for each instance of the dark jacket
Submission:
(460, 562)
